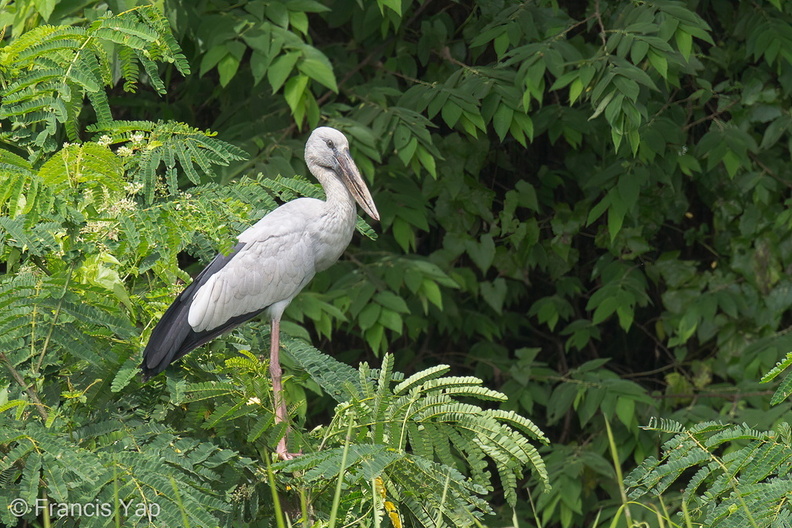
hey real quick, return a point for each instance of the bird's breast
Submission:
(333, 237)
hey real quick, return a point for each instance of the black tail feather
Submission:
(173, 337)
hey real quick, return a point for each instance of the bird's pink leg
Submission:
(277, 389)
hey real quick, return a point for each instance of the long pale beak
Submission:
(354, 182)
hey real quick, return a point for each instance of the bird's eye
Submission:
(329, 143)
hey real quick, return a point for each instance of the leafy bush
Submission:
(584, 204)
(91, 236)
(746, 486)
(741, 474)
(412, 437)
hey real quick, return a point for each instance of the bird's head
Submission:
(328, 148)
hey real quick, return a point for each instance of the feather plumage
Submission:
(273, 261)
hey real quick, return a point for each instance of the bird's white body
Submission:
(282, 252)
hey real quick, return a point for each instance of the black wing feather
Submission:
(173, 337)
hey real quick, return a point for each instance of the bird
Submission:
(271, 263)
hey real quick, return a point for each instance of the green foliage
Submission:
(166, 144)
(47, 72)
(90, 234)
(415, 435)
(736, 475)
(584, 204)
(746, 485)
(134, 473)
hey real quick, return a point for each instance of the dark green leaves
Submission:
(585, 207)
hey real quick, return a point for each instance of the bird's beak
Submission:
(354, 182)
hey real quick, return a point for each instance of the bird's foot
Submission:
(288, 456)
(283, 452)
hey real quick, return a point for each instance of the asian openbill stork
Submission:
(273, 261)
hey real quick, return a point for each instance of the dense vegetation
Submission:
(580, 278)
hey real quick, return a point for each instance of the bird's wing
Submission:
(273, 261)
(263, 273)
(173, 337)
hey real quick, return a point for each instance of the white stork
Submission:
(273, 261)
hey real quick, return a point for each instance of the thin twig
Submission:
(598, 15)
(711, 116)
(723, 395)
(767, 170)
(45, 346)
(42, 409)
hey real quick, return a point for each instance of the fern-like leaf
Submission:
(743, 487)
(420, 377)
(421, 421)
(53, 68)
(778, 368)
(334, 377)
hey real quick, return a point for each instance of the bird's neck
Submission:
(337, 220)
(338, 198)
